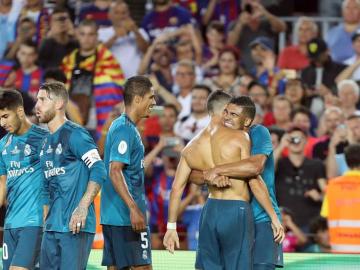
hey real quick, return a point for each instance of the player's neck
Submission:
(25, 126)
(297, 158)
(132, 114)
(56, 123)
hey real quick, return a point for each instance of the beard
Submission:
(47, 117)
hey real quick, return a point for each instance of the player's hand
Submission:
(221, 181)
(137, 219)
(210, 175)
(278, 231)
(78, 219)
(171, 239)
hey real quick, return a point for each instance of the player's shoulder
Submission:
(73, 131)
(39, 131)
(6, 140)
(122, 124)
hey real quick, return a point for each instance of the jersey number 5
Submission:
(144, 240)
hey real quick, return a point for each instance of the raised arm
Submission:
(181, 177)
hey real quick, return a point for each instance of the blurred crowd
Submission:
(306, 93)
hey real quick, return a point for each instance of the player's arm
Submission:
(261, 193)
(2, 190)
(137, 218)
(84, 148)
(181, 176)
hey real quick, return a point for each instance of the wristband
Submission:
(171, 226)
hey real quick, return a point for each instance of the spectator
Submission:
(215, 42)
(294, 236)
(302, 117)
(185, 79)
(34, 10)
(341, 205)
(190, 125)
(321, 73)
(97, 11)
(295, 56)
(9, 13)
(94, 78)
(28, 77)
(228, 78)
(157, 61)
(300, 181)
(223, 11)
(332, 118)
(259, 95)
(254, 21)
(26, 30)
(348, 92)
(123, 38)
(343, 136)
(262, 52)
(295, 91)
(281, 108)
(166, 17)
(338, 38)
(276, 135)
(60, 40)
(352, 71)
(319, 232)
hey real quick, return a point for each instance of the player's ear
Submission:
(247, 122)
(137, 99)
(21, 112)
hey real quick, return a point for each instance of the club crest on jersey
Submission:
(122, 147)
(15, 151)
(58, 149)
(49, 150)
(27, 150)
(144, 255)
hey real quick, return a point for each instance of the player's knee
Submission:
(264, 266)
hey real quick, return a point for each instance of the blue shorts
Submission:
(226, 236)
(21, 247)
(124, 248)
(272, 255)
(65, 250)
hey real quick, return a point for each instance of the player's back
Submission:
(198, 151)
(227, 146)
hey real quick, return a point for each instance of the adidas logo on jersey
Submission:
(4, 152)
(15, 151)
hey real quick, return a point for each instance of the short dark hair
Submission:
(256, 83)
(31, 44)
(302, 110)
(136, 86)
(10, 99)
(60, 9)
(90, 23)
(172, 107)
(297, 128)
(249, 109)
(218, 26)
(352, 156)
(318, 224)
(56, 74)
(217, 100)
(57, 89)
(202, 87)
(277, 131)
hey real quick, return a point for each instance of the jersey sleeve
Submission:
(84, 148)
(260, 141)
(121, 145)
(3, 170)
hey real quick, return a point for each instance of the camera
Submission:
(295, 140)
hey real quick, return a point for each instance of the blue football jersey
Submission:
(261, 144)
(66, 158)
(19, 161)
(123, 144)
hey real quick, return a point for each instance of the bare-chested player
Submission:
(226, 226)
